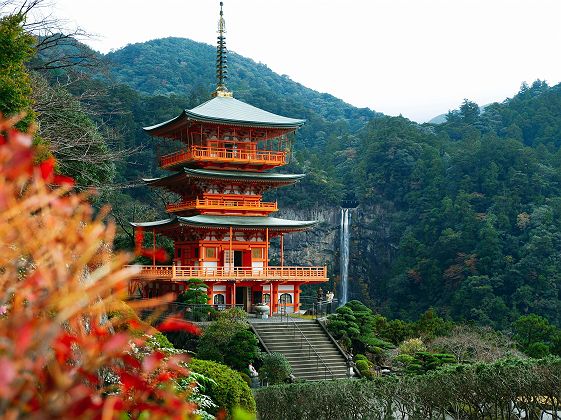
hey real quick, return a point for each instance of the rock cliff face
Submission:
(371, 246)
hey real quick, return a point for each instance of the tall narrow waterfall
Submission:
(344, 263)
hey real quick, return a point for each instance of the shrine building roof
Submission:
(228, 110)
(238, 222)
(191, 173)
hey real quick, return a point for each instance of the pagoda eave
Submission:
(225, 111)
(203, 221)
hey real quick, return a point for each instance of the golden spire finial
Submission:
(221, 66)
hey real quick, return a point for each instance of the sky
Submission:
(417, 58)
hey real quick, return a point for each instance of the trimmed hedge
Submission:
(494, 390)
(230, 390)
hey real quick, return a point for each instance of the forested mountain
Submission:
(472, 206)
(178, 66)
(475, 208)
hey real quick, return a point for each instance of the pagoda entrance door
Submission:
(238, 258)
(233, 259)
(242, 297)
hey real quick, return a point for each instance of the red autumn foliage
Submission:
(174, 323)
(60, 354)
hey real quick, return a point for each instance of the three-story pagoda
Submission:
(221, 227)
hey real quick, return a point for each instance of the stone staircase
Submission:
(288, 338)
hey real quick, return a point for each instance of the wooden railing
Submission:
(173, 272)
(220, 154)
(222, 204)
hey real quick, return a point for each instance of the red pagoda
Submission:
(220, 226)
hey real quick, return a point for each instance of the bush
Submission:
(275, 369)
(229, 341)
(412, 346)
(364, 368)
(229, 390)
(360, 357)
(460, 392)
(242, 349)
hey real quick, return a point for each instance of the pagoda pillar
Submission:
(296, 297)
(233, 290)
(153, 247)
(267, 248)
(209, 294)
(274, 297)
(282, 249)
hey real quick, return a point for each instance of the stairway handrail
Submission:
(310, 346)
(259, 338)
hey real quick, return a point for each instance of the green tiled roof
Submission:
(229, 175)
(249, 222)
(229, 110)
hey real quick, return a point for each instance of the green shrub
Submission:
(245, 378)
(242, 349)
(404, 359)
(229, 390)
(158, 340)
(537, 350)
(360, 357)
(229, 341)
(275, 368)
(196, 293)
(460, 392)
(364, 368)
(412, 346)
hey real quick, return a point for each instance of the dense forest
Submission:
(474, 203)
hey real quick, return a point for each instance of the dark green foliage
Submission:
(196, 293)
(495, 391)
(275, 368)
(16, 48)
(353, 324)
(536, 337)
(424, 361)
(229, 390)
(242, 349)
(363, 365)
(183, 340)
(473, 205)
(228, 340)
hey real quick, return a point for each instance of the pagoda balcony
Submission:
(220, 155)
(238, 206)
(184, 273)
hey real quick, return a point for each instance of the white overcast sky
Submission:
(418, 58)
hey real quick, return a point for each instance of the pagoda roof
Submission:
(239, 222)
(224, 175)
(227, 110)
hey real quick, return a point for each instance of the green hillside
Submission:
(178, 66)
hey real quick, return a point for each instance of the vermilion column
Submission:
(296, 297)
(275, 297)
(209, 294)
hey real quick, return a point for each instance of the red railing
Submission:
(238, 273)
(222, 204)
(220, 154)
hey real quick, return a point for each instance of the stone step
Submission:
(301, 369)
(330, 361)
(297, 339)
(285, 339)
(303, 349)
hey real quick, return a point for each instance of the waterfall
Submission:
(344, 263)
